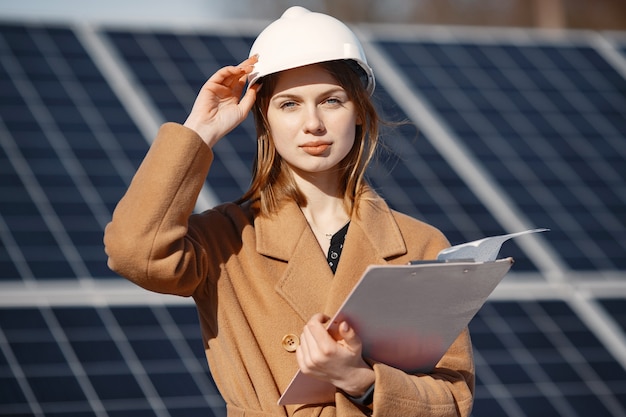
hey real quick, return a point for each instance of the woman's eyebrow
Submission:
(285, 95)
(293, 96)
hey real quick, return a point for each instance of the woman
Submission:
(267, 271)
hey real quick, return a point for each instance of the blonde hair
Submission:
(272, 182)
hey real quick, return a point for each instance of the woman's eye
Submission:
(287, 104)
(334, 101)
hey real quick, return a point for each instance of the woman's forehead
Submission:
(313, 76)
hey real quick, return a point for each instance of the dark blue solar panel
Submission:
(537, 358)
(547, 122)
(516, 369)
(69, 143)
(415, 179)
(616, 307)
(100, 343)
(172, 69)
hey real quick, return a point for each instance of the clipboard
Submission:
(407, 316)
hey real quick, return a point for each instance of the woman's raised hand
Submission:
(219, 107)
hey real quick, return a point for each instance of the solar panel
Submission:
(73, 361)
(172, 68)
(531, 357)
(543, 118)
(544, 361)
(617, 309)
(69, 151)
(546, 121)
(415, 179)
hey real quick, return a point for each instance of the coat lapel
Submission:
(373, 237)
(308, 284)
(287, 236)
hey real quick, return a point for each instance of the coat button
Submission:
(290, 342)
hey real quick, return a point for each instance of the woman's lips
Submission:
(315, 148)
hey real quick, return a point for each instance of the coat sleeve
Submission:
(445, 392)
(147, 240)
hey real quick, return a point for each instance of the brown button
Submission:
(290, 342)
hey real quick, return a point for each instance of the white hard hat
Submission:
(301, 37)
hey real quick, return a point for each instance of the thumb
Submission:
(248, 99)
(348, 335)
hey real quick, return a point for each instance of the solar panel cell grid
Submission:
(553, 372)
(543, 358)
(59, 122)
(617, 309)
(415, 179)
(178, 67)
(535, 101)
(74, 358)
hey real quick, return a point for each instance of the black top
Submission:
(336, 246)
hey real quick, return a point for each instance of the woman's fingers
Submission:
(247, 101)
(234, 73)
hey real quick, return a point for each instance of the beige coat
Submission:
(255, 280)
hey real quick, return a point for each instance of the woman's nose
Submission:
(313, 122)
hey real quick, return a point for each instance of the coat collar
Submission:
(308, 284)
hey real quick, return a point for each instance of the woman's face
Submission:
(312, 120)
